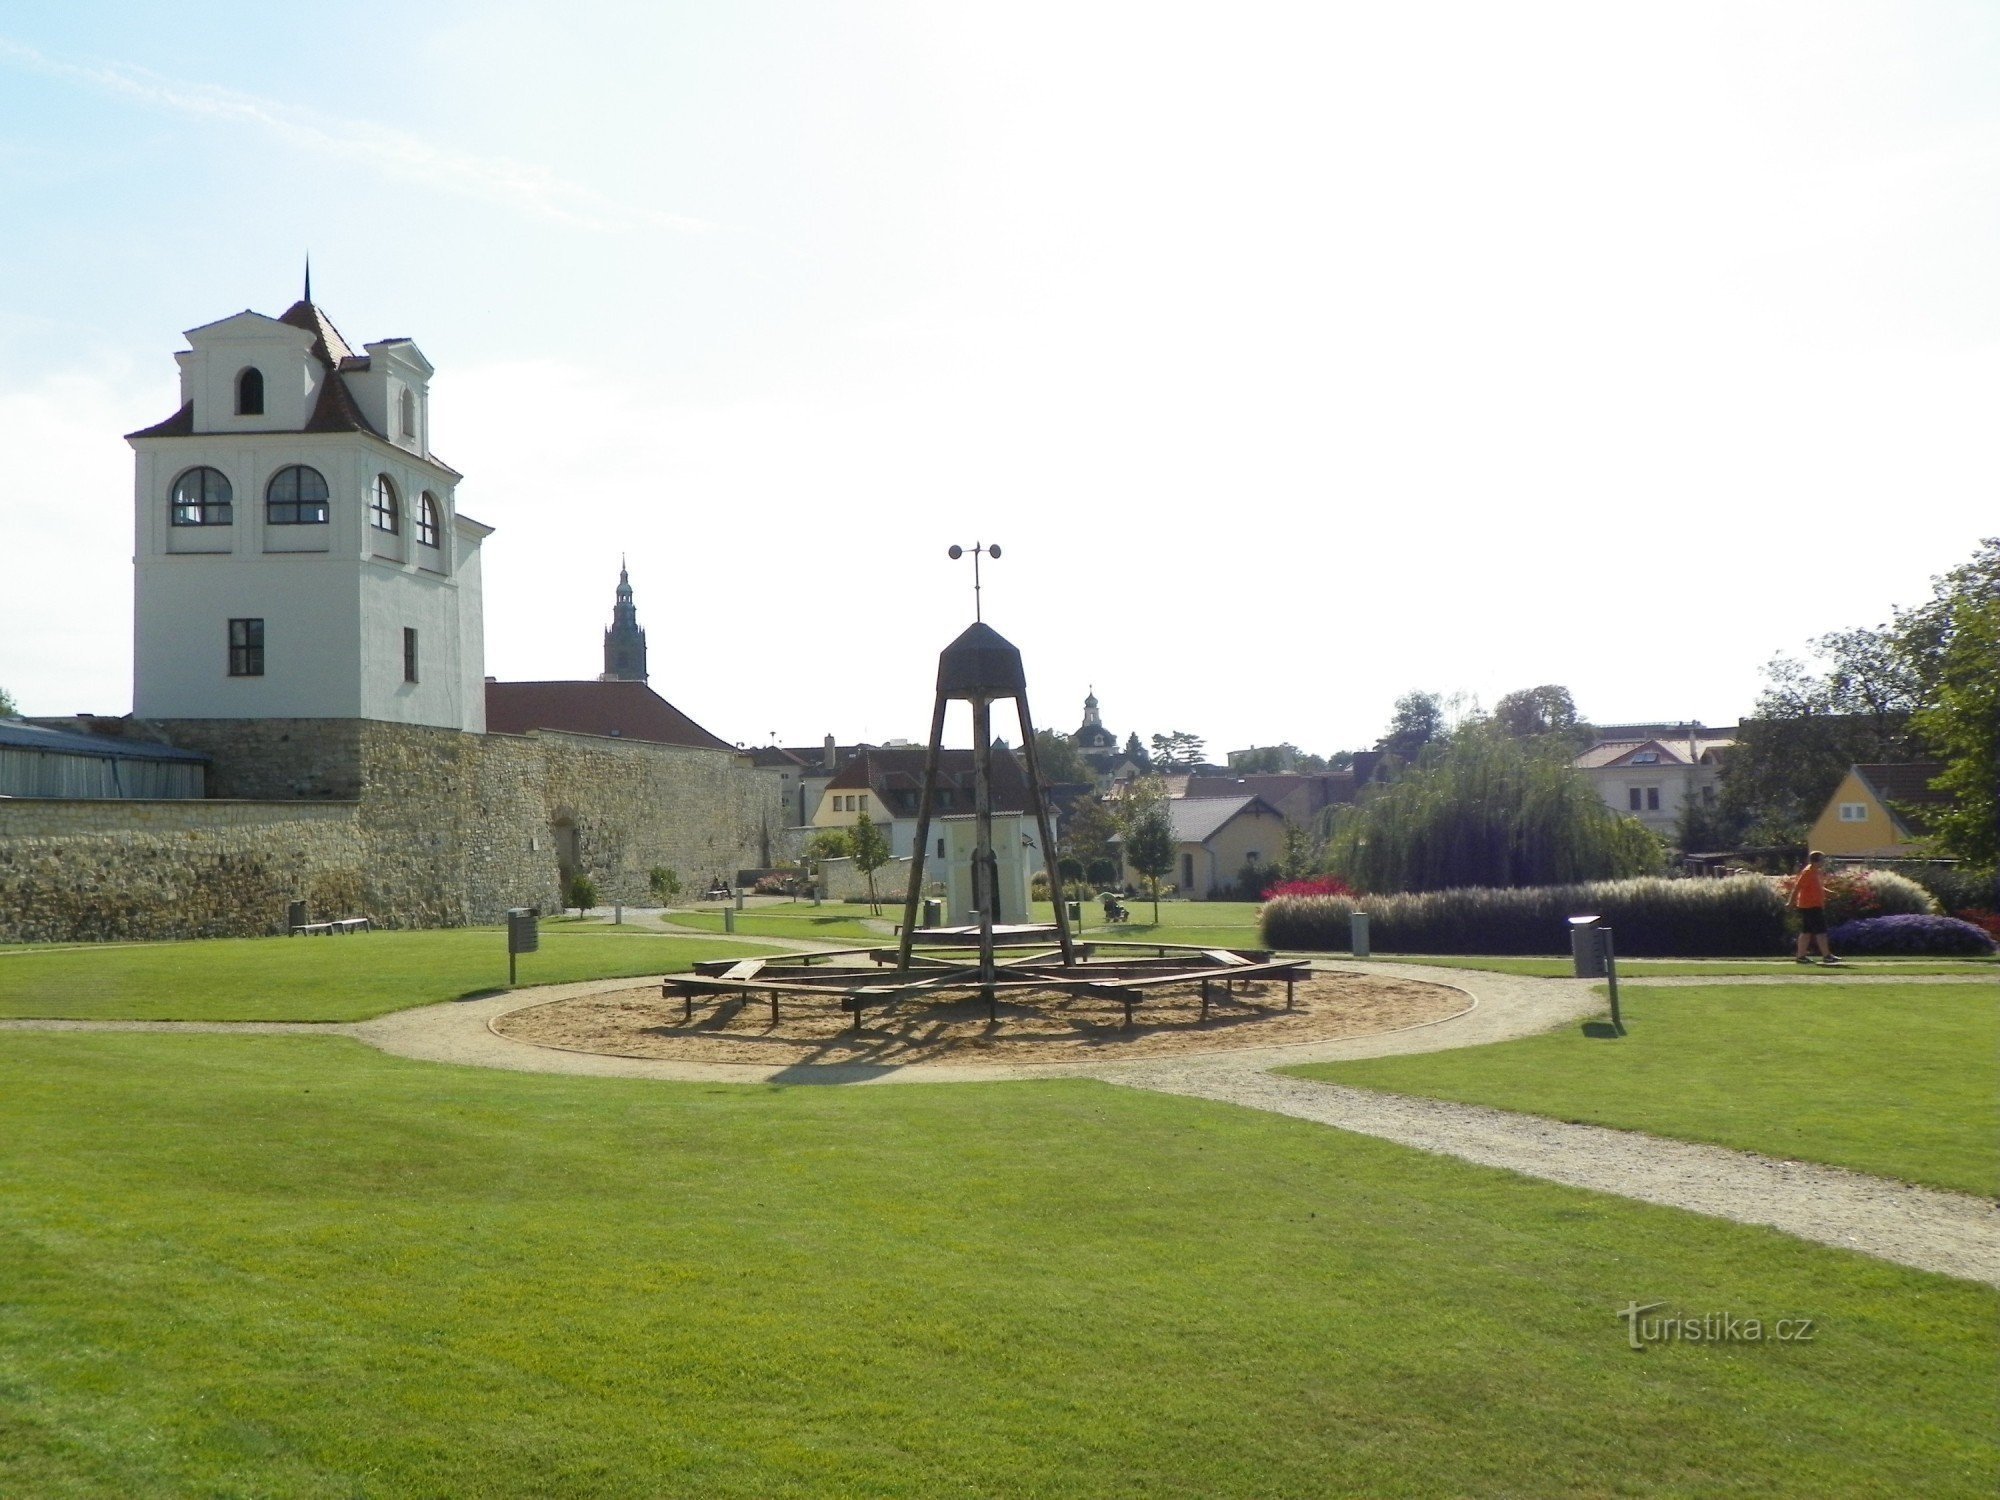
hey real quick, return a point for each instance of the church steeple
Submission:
(624, 642)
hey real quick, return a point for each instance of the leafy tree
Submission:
(1091, 831)
(1137, 753)
(1534, 711)
(1302, 855)
(1418, 719)
(871, 852)
(1956, 638)
(1177, 750)
(1059, 759)
(665, 884)
(830, 843)
(1485, 809)
(1149, 849)
(1863, 698)
(8, 707)
(580, 891)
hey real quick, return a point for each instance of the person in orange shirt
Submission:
(1809, 897)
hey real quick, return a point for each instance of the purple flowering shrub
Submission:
(1911, 933)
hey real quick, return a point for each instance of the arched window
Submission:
(428, 527)
(250, 393)
(385, 511)
(295, 497)
(202, 498)
(407, 409)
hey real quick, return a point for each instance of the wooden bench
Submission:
(338, 924)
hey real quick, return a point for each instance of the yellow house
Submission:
(1214, 838)
(1876, 812)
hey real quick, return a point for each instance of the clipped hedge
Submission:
(1743, 917)
(1937, 936)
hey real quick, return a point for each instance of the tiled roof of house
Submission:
(615, 710)
(1903, 789)
(1670, 750)
(896, 776)
(327, 344)
(180, 424)
(1311, 790)
(1196, 819)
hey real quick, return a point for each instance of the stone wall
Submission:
(78, 871)
(842, 880)
(445, 828)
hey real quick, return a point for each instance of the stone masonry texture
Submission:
(410, 825)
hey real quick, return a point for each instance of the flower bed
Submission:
(1912, 933)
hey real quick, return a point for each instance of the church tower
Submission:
(1092, 735)
(299, 548)
(624, 642)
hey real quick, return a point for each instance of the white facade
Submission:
(953, 840)
(353, 619)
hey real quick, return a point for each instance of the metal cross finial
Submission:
(992, 550)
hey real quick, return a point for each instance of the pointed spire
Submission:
(309, 279)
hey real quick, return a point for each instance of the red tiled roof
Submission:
(897, 777)
(337, 410)
(1905, 789)
(615, 710)
(180, 424)
(327, 342)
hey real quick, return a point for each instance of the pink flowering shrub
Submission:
(1319, 885)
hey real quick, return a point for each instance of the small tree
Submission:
(871, 852)
(8, 707)
(581, 892)
(1149, 848)
(1090, 831)
(664, 883)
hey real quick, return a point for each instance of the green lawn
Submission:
(281, 1266)
(1898, 1080)
(319, 978)
(831, 921)
(1706, 968)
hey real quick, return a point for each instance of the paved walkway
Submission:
(1950, 1233)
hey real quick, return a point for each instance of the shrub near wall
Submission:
(1651, 918)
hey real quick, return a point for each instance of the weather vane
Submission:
(992, 551)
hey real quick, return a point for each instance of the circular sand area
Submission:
(1053, 1027)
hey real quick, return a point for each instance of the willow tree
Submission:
(1483, 808)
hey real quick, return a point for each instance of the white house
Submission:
(1651, 771)
(299, 549)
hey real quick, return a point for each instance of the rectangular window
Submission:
(1632, 798)
(1652, 799)
(409, 654)
(1854, 812)
(861, 803)
(246, 648)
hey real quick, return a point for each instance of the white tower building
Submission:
(299, 549)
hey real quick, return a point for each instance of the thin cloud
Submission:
(521, 185)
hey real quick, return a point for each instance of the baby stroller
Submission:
(1114, 910)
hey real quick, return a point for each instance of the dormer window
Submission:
(202, 497)
(385, 510)
(428, 527)
(250, 393)
(1646, 758)
(406, 409)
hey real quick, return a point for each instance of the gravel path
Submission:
(1953, 1234)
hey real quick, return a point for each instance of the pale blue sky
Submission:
(1298, 356)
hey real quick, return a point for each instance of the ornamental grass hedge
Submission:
(1743, 917)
